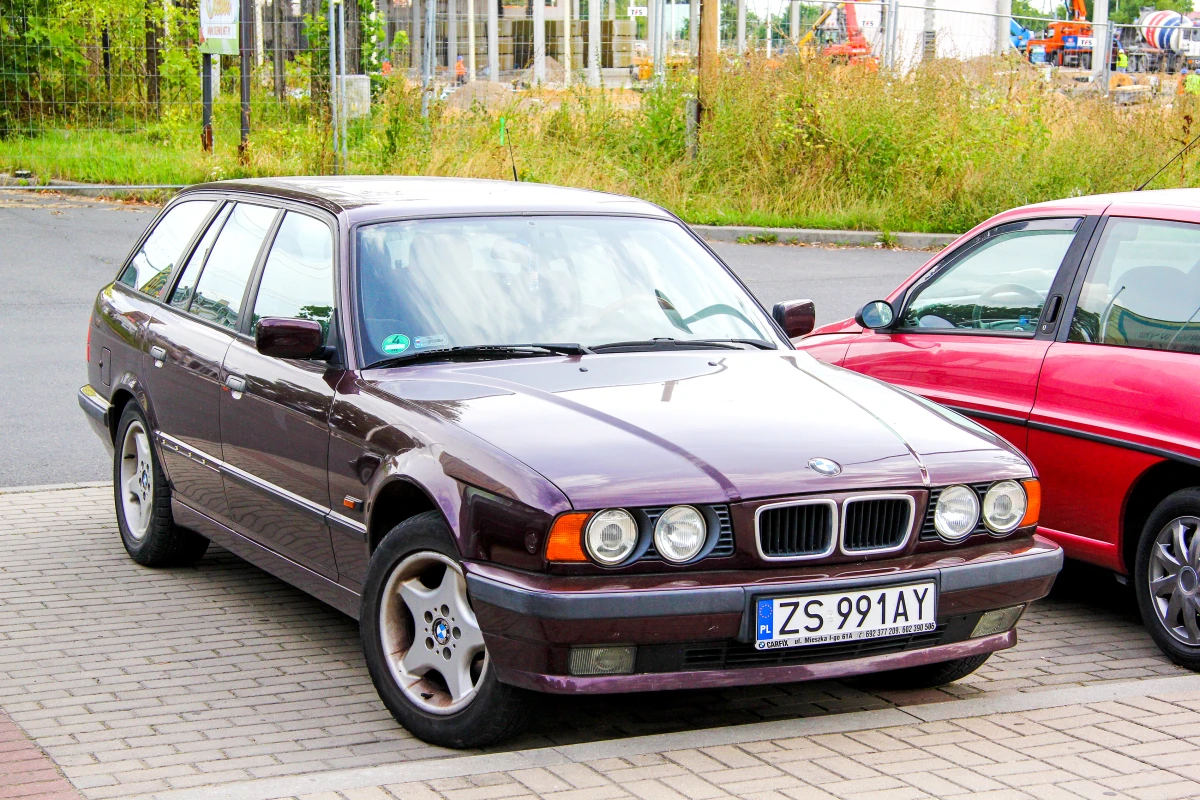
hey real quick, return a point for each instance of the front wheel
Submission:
(143, 500)
(423, 645)
(1167, 577)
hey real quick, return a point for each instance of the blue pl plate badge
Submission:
(766, 620)
(425, 342)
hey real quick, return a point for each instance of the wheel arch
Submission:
(397, 500)
(121, 397)
(1153, 486)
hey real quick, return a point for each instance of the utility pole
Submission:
(568, 18)
(741, 26)
(539, 41)
(1101, 43)
(493, 37)
(710, 22)
(451, 35)
(595, 11)
(1003, 26)
(768, 29)
(693, 28)
(794, 20)
(427, 63)
(471, 40)
(893, 28)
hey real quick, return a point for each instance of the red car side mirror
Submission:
(278, 337)
(796, 317)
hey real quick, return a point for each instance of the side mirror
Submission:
(279, 337)
(875, 314)
(796, 317)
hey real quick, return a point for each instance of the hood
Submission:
(700, 426)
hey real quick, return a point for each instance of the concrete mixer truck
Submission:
(1163, 41)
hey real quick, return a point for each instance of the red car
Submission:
(1072, 329)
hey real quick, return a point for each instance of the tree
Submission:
(1126, 12)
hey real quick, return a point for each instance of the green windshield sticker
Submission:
(396, 343)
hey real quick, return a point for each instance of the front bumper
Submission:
(98, 411)
(695, 629)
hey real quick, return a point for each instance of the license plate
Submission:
(845, 616)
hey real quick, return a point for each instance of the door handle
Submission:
(159, 354)
(235, 384)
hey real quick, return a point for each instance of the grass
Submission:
(799, 143)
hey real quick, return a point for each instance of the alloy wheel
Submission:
(431, 639)
(137, 481)
(1174, 578)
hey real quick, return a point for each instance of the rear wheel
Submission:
(1167, 577)
(143, 500)
(423, 645)
(928, 676)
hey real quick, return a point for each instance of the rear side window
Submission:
(999, 287)
(297, 280)
(150, 268)
(222, 284)
(186, 285)
(1142, 288)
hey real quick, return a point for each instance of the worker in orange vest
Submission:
(460, 72)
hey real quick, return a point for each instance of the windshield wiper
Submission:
(497, 351)
(667, 343)
(761, 344)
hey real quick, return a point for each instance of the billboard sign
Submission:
(219, 27)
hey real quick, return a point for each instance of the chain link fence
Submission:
(74, 75)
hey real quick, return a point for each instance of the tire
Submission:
(1166, 582)
(143, 500)
(929, 676)
(415, 618)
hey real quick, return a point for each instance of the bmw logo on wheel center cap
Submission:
(824, 466)
(441, 631)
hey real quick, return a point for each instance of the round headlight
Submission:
(611, 536)
(1004, 507)
(957, 513)
(679, 534)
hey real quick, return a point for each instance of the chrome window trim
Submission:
(912, 513)
(833, 532)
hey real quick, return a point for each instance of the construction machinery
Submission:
(1065, 43)
(847, 43)
(1163, 41)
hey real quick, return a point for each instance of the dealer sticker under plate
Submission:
(845, 616)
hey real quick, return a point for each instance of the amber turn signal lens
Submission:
(566, 538)
(1033, 508)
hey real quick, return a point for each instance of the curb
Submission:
(53, 487)
(732, 233)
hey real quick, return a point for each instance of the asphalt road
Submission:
(55, 254)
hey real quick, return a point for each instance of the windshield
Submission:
(431, 284)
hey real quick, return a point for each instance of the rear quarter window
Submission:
(152, 265)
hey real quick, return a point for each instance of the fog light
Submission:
(601, 660)
(997, 621)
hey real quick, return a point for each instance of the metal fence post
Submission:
(427, 63)
(342, 72)
(333, 87)
(244, 43)
(206, 99)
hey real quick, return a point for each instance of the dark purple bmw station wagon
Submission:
(541, 439)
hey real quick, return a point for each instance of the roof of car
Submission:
(390, 196)
(1183, 198)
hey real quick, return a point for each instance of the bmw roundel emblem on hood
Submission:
(824, 466)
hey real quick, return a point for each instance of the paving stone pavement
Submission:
(137, 681)
(1139, 748)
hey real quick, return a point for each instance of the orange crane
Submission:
(855, 49)
(1067, 43)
